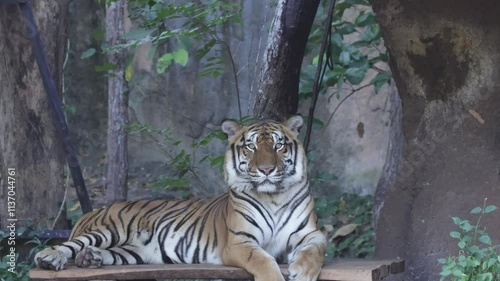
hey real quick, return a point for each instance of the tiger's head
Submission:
(265, 156)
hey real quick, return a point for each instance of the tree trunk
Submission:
(444, 56)
(30, 143)
(116, 187)
(278, 93)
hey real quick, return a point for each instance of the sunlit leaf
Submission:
(181, 57)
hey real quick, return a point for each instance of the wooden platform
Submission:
(340, 270)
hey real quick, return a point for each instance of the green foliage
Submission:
(179, 56)
(355, 48)
(190, 26)
(347, 221)
(23, 266)
(477, 258)
(181, 162)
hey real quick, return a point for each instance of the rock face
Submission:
(445, 62)
(352, 147)
(353, 144)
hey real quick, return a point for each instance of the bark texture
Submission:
(277, 95)
(29, 140)
(116, 186)
(444, 57)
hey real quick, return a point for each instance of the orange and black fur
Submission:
(267, 214)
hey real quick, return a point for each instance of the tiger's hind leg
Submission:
(118, 255)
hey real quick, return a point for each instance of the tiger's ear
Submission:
(294, 123)
(230, 127)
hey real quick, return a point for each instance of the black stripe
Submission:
(301, 226)
(205, 250)
(251, 220)
(243, 233)
(79, 243)
(131, 222)
(124, 260)
(162, 235)
(255, 203)
(303, 238)
(232, 147)
(293, 208)
(187, 217)
(137, 258)
(115, 236)
(98, 239)
(73, 251)
(89, 237)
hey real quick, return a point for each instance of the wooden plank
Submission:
(341, 270)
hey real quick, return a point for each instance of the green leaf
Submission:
(485, 239)
(485, 277)
(346, 29)
(345, 58)
(381, 78)
(455, 234)
(492, 261)
(355, 75)
(445, 272)
(442, 261)
(337, 40)
(384, 57)
(457, 272)
(462, 244)
(474, 249)
(360, 44)
(476, 210)
(365, 19)
(164, 62)
(105, 67)
(457, 220)
(490, 209)
(181, 57)
(88, 53)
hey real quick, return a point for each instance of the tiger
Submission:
(266, 217)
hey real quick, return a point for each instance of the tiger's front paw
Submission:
(89, 256)
(304, 269)
(51, 259)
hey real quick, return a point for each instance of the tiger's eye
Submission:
(250, 146)
(278, 146)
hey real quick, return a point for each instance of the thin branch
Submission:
(317, 83)
(342, 101)
(215, 37)
(235, 75)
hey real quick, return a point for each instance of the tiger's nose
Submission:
(266, 170)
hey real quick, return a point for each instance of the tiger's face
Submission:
(265, 156)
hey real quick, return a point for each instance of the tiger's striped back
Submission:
(171, 228)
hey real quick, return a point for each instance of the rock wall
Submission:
(444, 59)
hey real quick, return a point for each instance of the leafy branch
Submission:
(345, 61)
(478, 259)
(181, 162)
